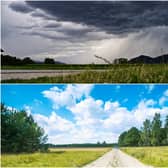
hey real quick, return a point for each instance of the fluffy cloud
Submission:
(93, 119)
(164, 98)
(68, 96)
(53, 124)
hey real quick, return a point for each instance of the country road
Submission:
(116, 158)
(28, 74)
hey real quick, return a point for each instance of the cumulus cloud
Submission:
(164, 98)
(68, 96)
(93, 119)
(53, 124)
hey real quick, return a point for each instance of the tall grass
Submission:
(54, 158)
(117, 74)
(155, 156)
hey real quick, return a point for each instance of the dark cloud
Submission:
(21, 7)
(113, 17)
(52, 25)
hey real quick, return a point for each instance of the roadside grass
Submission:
(57, 66)
(117, 74)
(155, 156)
(54, 158)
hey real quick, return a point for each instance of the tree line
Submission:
(84, 145)
(20, 133)
(11, 60)
(152, 133)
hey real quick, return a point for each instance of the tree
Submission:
(49, 61)
(132, 137)
(19, 131)
(121, 140)
(146, 133)
(27, 60)
(156, 130)
(104, 143)
(166, 130)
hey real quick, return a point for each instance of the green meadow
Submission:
(113, 74)
(72, 157)
(155, 156)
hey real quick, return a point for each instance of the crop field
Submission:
(155, 156)
(61, 157)
(114, 74)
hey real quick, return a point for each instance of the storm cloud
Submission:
(21, 7)
(74, 31)
(111, 16)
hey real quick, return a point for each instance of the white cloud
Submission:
(54, 123)
(28, 109)
(111, 106)
(166, 93)
(164, 98)
(93, 119)
(68, 96)
(150, 87)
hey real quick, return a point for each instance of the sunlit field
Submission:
(111, 74)
(155, 156)
(61, 157)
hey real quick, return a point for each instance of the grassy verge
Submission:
(117, 74)
(155, 156)
(54, 158)
(58, 66)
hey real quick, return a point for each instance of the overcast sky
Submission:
(73, 32)
(87, 113)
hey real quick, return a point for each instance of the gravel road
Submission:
(28, 74)
(116, 158)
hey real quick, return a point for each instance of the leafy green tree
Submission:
(156, 130)
(166, 130)
(132, 137)
(27, 60)
(121, 140)
(49, 61)
(146, 133)
(19, 132)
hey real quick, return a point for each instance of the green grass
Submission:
(155, 156)
(116, 74)
(58, 66)
(54, 158)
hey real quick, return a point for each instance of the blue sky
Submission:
(85, 112)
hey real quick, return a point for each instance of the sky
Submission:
(87, 113)
(73, 32)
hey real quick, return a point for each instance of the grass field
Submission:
(59, 66)
(155, 156)
(116, 74)
(62, 157)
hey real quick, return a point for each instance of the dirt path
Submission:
(116, 158)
